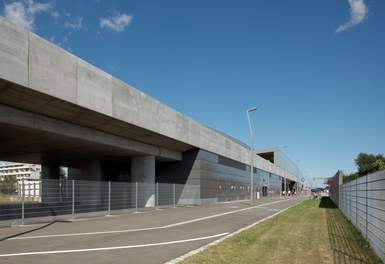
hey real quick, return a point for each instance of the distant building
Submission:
(21, 171)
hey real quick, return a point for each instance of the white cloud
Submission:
(117, 22)
(23, 12)
(76, 23)
(358, 12)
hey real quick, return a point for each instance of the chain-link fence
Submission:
(29, 201)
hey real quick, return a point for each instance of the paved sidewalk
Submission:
(147, 237)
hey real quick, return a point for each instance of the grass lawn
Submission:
(312, 232)
(6, 199)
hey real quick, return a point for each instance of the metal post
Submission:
(356, 205)
(188, 195)
(285, 191)
(136, 196)
(173, 194)
(157, 195)
(296, 186)
(60, 190)
(109, 198)
(199, 195)
(73, 199)
(251, 158)
(284, 173)
(366, 208)
(22, 200)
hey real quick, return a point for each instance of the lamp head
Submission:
(252, 109)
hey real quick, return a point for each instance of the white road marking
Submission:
(148, 228)
(111, 248)
(88, 234)
(191, 253)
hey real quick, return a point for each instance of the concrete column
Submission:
(50, 192)
(143, 172)
(73, 174)
(91, 185)
(90, 170)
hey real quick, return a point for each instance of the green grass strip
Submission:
(314, 231)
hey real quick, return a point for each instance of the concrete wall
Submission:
(363, 202)
(336, 181)
(30, 61)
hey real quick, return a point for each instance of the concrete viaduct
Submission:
(58, 110)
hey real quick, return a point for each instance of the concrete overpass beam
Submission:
(143, 171)
(50, 183)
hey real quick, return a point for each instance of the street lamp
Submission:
(252, 157)
(297, 176)
(284, 173)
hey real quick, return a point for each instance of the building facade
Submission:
(21, 171)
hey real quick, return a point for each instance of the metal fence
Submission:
(363, 203)
(69, 199)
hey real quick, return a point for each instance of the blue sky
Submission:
(314, 69)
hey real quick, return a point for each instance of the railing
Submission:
(363, 202)
(69, 199)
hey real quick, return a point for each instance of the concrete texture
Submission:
(363, 202)
(13, 53)
(143, 170)
(50, 187)
(334, 188)
(67, 94)
(50, 172)
(91, 191)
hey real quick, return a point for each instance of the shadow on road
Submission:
(31, 231)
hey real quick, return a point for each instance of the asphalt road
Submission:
(148, 237)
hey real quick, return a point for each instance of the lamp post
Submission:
(297, 176)
(284, 173)
(252, 157)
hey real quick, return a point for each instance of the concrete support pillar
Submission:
(143, 172)
(91, 185)
(73, 174)
(90, 170)
(50, 183)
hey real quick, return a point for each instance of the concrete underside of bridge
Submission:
(58, 110)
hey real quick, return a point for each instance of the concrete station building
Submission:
(58, 110)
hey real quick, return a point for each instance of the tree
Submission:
(379, 165)
(62, 174)
(350, 177)
(369, 163)
(366, 164)
(8, 184)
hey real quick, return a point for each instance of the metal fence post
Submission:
(109, 198)
(356, 204)
(199, 195)
(60, 190)
(157, 196)
(136, 196)
(73, 199)
(188, 195)
(173, 194)
(22, 200)
(366, 207)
